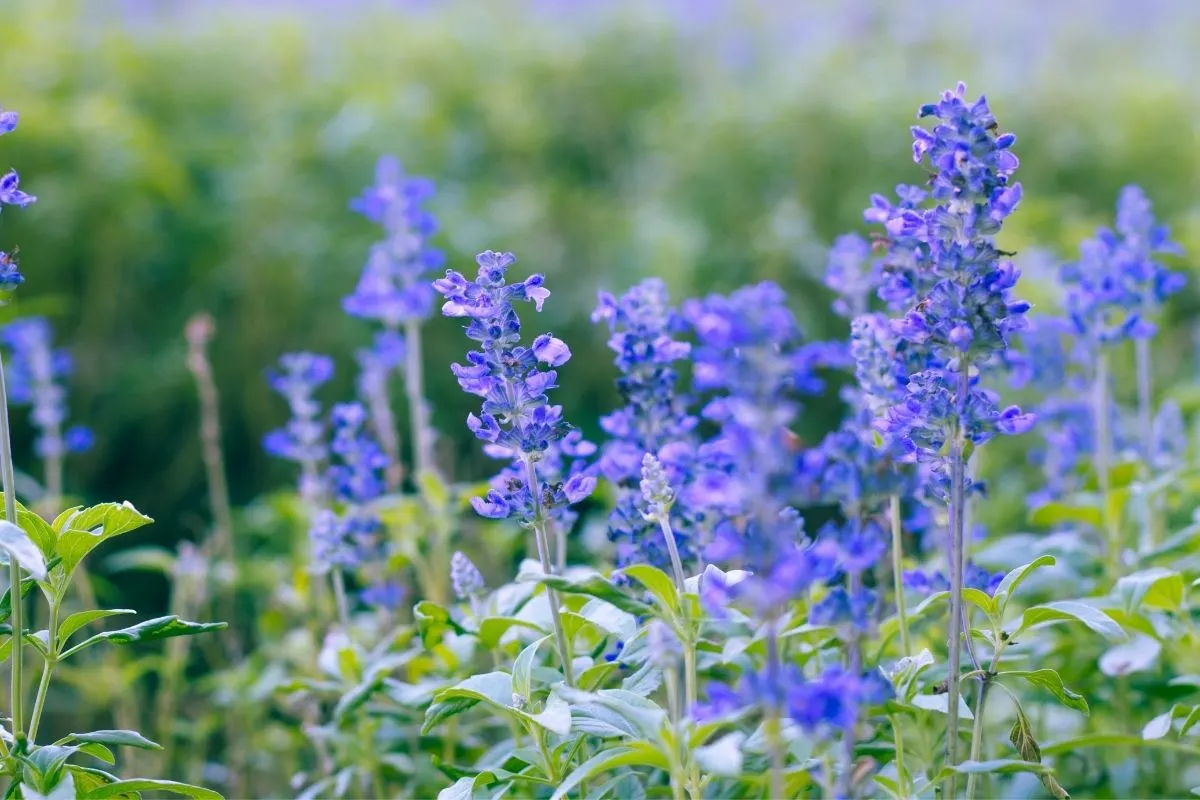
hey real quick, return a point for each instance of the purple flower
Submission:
(10, 192)
(36, 376)
(302, 440)
(465, 578)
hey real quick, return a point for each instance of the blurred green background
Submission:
(197, 156)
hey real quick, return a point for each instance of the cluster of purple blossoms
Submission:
(1117, 285)
(517, 420)
(35, 379)
(347, 539)
(10, 194)
(394, 287)
(302, 440)
(465, 578)
(654, 419)
(945, 256)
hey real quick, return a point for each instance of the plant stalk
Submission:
(985, 684)
(414, 387)
(955, 552)
(543, 547)
(854, 669)
(14, 569)
(1103, 461)
(898, 571)
(47, 670)
(773, 724)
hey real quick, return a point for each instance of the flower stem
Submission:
(339, 595)
(414, 387)
(1153, 525)
(14, 569)
(955, 552)
(901, 772)
(47, 669)
(543, 547)
(854, 669)
(1103, 462)
(898, 572)
(985, 684)
(773, 724)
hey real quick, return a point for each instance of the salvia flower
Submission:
(36, 377)
(465, 578)
(516, 420)
(10, 194)
(302, 440)
(394, 286)
(854, 273)
(654, 419)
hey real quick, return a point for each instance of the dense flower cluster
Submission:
(302, 440)
(1117, 285)
(516, 420)
(10, 194)
(465, 578)
(394, 287)
(654, 420)
(35, 378)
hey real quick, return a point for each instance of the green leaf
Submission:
(81, 618)
(1053, 514)
(999, 766)
(522, 674)
(117, 738)
(657, 583)
(1023, 739)
(1160, 726)
(126, 788)
(1117, 740)
(21, 548)
(641, 754)
(1070, 611)
(150, 630)
(981, 600)
(596, 586)
(64, 789)
(1051, 681)
(27, 585)
(613, 712)
(496, 690)
(85, 530)
(1158, 588)
(941, 704)
(492, 629)
(41, 533)
(433, 621)
(1015, 577)
(98, 751)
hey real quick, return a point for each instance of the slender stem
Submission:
(543, 547)
(901, 771)
(47, 670)
(14, 569)
(53, 474)
(1152, 530)
(898, 571)
(977, 734)
(854, 669)
(343, 604)
(773, 725)
(955, 548)
(560, 545)
(1103, 461)
(689, 646)
(414, 386)
(672, 681)
(198, 332)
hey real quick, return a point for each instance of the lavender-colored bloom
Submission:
(357, 476)
(1118, 284)
(926, 582)
(10, 191)
(10, 194)
(853, 273)
(516, 421)
(10, 273)
(394, 286)
(343, 542)
(465, 578)
(35, 377)
(831, 703)
(386, 595)
(302, 440)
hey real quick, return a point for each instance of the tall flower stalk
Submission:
(945, 264)
(516, 420)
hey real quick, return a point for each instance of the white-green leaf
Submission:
(117, 738)
(657, 583)
(461, 789)
(126, 788)
(81, 618)
(1137, 655)
(941, 704)
(1003, 766)
(1015, 577)
(1157, 588)
(522, 674)
(22, 549)
(722, 757)
(492, 629)
(150, 630)
(1070, 611)
(1160, 726)
(641, 754)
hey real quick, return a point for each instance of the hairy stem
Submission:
(14, 569)
(543, 547)
(955, 552)
(898, 571)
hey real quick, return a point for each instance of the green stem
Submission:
(1103, 462)
(977, 735)
(343, 604)
(901, 771)
(14, 569)
(898, 572)
(414, 387)
(543, 547)
(773, 725)
(47, 671)
(955, 552)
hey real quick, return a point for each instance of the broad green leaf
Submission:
(941, 704)
(981, 600)
(1070, 611)
(609, 618)
(644, 680)
(641, 754)
(1000, 766)
(27, 585)
(1016, 577)
(1051, 681)
(98, 751)
(722, 757)
(150, 630)
(433, 621)
(1160, 726)
(596, 586)
(657, 583)
(64, 789)
(87, 529)
(81, 618)
(1117, 740)
(522, 674)
(1053, 514)
(117, 738)
(613, 712)
(492, 629)
(555, 716)
(1156, 587)
(126, 788)
(22, 549)
(1190, 721)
